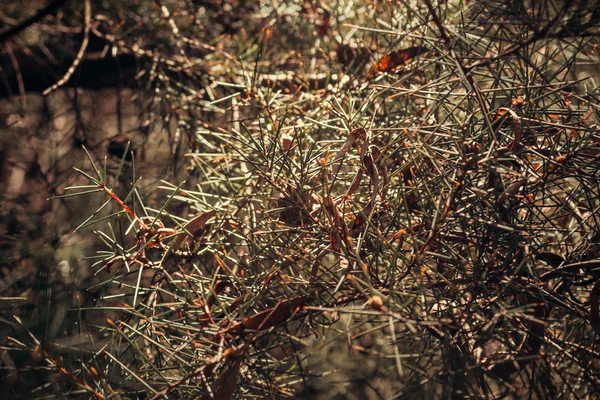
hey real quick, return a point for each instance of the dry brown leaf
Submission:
(192, 229)
(352, 140)
(269, 318)
(224, 387)
(395, 59)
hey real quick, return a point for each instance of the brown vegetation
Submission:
(281, 200)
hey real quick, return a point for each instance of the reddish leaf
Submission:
(517, 102)
(193, 229)
(316, 264)
(334, 211)
(224, 387)
(359, 221)
(354, 136)
(269, 318)
(395, 59)
(333, 242)
(325, 24)
(355, 184)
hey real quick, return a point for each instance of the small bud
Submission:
(376, 302)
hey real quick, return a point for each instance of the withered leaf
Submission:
(271, 317)
(192, 229)
(395, 59)
(351, 141)
(334, 242)
(225, 385)
(325, 24)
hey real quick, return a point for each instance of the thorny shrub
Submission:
(424, 174)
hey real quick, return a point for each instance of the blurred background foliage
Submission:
(357, 199)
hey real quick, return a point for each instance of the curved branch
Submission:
(84, 44)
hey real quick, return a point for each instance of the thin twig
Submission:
(84, 44)
(20, 83)
(538, 35)
(49, 9)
